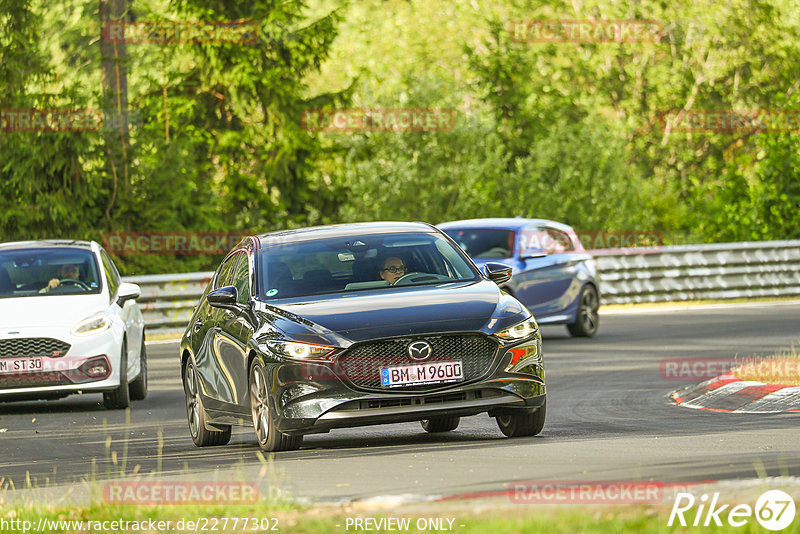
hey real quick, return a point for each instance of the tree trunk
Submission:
(115, 96)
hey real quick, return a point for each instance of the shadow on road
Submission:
(92, 403)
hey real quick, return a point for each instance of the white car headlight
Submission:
(94, 324)
(300, 351)
(526, 328)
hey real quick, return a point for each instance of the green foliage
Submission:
(215, 143)
(46, 182)
(569, 131)
(759, 198)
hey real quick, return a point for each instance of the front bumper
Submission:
(68, 372)
(515, 381)
(402, 410)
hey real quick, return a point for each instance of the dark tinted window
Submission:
(111, 274)
(29, 272)
(241, 279)
(353, 264)
(484, 243)
(225, 272)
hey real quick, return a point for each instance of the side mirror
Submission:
(126, 292)
(499, 273)
(532, 253)
(224, 297)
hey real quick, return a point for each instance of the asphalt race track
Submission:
(608, 419)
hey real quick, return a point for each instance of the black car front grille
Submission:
(361, 364)
(419, 401)
(33, 346)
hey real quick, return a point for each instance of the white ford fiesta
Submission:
(68, 324)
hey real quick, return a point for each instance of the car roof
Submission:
(516, 223)
(343, 230)
(48, 243)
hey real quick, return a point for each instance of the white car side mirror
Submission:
(127, 291)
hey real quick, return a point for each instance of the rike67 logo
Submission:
(774, 510)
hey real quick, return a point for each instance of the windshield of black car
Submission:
(36, 272)
(484, 243)
(359, 263)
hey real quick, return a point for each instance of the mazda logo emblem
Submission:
(419, 350)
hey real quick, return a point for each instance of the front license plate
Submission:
(19, 365)
(422, 373)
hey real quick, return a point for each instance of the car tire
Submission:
(440, 424)
(587, 320)
(196, 414)
(138, 388)
(120, 398)
(524, 424)
(269, 438)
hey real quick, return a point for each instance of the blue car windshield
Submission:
(358, 263)
(36, 272)
(484, 243)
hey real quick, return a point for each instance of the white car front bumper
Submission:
(80, 368)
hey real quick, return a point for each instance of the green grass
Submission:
(469, 517)
(782, 368)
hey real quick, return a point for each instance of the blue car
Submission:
(553, 276)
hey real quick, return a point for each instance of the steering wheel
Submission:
(419, 277)
(74, 282)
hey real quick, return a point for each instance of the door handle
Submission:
(197, 326)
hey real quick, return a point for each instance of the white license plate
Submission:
(19, 365)
(422, 373)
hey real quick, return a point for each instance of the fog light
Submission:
(97, 370)
(523, 356)
(96, 367)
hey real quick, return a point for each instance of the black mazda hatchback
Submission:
(307, 330)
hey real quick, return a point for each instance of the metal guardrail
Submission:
(167, 300)
(695, 272)
(671, 273)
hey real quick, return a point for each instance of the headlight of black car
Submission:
(528, 353)
(519, 331)
(302, 352)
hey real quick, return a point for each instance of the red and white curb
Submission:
(726, 393)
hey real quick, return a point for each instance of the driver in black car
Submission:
(68, 271)
(392, 269)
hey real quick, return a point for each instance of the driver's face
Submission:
(392, 269)
(68, 271)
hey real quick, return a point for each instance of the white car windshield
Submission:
(36, 272)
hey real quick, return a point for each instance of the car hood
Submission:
(353, 317)
(48, 311)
